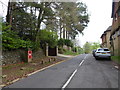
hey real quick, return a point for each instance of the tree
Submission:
(11, 41)
(26, 22)
(95, 45)
(46, 36)
(87, 47)
(72, 19)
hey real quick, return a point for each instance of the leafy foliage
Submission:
(67, 42)
(11, 41)
(95, 45)
(74, 19)
(48, 37)
(61, 42)
(88, 46)
(27, 18)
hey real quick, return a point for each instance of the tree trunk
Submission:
(8, 13)
(64, 31)
(60, 29)
(66, 34)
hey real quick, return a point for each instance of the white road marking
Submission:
(85, 57)
(81, 62)
(69, 79)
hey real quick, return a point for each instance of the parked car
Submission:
(103, 53)
(93, 52)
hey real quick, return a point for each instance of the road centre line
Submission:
(69, 79)
(81, 62)
(85, 57)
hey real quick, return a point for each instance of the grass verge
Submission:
(70, 53)
(116, 59)
(12, 72)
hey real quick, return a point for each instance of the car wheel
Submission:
(109, 58)
(96, 58)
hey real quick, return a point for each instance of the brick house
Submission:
(106, 38)
(115, 31)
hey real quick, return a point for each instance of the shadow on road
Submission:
(103, 59)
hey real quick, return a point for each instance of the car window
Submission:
(100, 49)
(106, 50)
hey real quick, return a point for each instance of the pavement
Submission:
(68, 56)
(82, 71)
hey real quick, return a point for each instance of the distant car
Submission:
(93, 52)
(103, 53)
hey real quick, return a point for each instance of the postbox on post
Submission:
(29, 55)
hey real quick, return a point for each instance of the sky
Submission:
(100, 19)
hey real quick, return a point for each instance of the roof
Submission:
(108, 29)
(103, 35)
(113, 6)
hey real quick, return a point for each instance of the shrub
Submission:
(48, 37)
(61, 42)
(11, 41)
(67, 42)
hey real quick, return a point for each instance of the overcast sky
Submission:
(100, 19)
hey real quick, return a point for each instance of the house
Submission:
(106, 38)
(115, 31)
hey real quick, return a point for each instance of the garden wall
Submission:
(17, 56)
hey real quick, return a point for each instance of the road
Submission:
(82, 71)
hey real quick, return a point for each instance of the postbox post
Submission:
(29, 55)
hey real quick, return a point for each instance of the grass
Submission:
(14, 65)
(19, 70)
(70, 53)
(116, 59)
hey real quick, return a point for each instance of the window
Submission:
(119, 32)
(115, 17)
(119, 12)
(100, 49)
(106, 50)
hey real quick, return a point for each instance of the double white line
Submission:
(70, 78)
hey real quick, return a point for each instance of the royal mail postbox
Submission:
(29, 56)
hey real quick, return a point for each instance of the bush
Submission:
(60, 50)
(11, 41)
(48, 37)
(61, 42)
(67, 42)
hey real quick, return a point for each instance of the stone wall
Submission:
(38, 54)
(10, 57)
(17, 56)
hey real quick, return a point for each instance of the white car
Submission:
(103, 53)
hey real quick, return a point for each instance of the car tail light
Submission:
(108, 52)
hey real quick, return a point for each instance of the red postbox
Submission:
(29, 54)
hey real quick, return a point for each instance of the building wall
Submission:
(115, 30)
(115, 40)
(104, 44)
(108, 39)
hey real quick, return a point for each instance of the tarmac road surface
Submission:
(82, 71)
